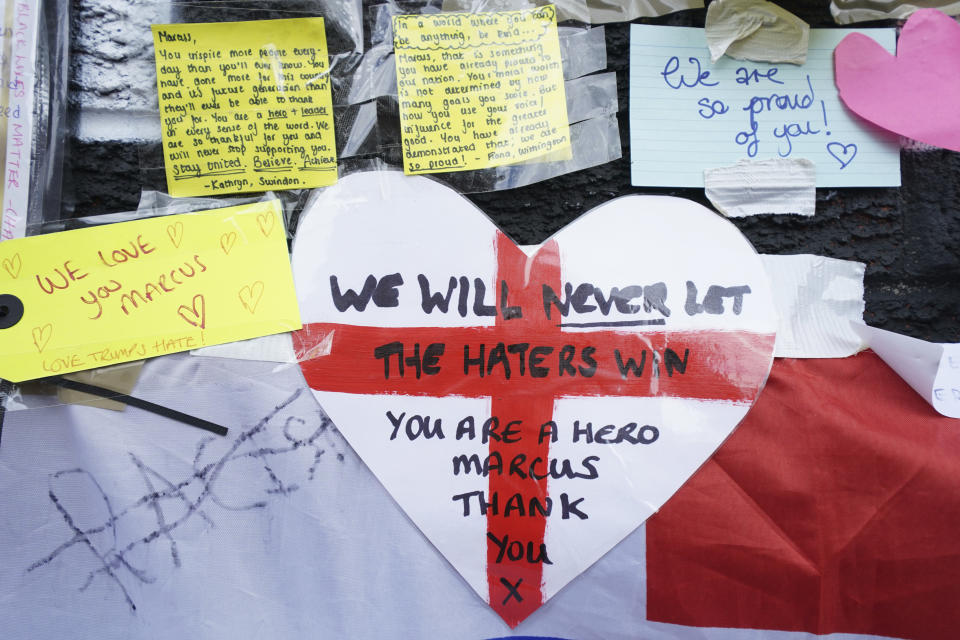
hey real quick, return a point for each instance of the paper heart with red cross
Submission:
(527, 409)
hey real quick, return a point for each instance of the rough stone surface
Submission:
(909, 237)
(111, 54)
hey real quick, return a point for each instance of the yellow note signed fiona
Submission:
(245, 106)
(480, 90)
(103, 295)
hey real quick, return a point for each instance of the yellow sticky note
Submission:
(245, 106)
(88, 298)
(480, 90)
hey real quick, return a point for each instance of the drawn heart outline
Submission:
(842, 153)
(41, 336)
(227, 240)
(913, 93)
(13, 265)
(250, 296)
(266, 222)
(175, 233)
(196, 313)
(380, 223)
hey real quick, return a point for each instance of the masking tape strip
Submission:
(817, 298)
(756, 30)
(753, 187)
(119, 378)
(139, 403)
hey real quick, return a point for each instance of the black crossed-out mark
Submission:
(513, 590)
(193, 494)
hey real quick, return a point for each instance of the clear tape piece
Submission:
(594, 142)
(583, 51)
(851, 11)
(376, 74)
(592, 105)
(591, 97)
(156, 203)
(37, 394)
(586, 11)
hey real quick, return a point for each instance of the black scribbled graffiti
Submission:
(189, 498)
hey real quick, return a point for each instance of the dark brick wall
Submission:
(908, 237)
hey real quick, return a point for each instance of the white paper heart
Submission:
(640, 335)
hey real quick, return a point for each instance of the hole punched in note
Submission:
(11, 310)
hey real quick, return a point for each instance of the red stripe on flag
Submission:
(833, 508)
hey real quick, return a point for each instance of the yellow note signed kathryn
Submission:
(245, 106)
(121, 292)
(480, 90)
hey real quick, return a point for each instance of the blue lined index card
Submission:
(688, 114)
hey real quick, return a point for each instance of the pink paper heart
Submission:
(915, 93)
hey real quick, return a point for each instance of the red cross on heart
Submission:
(527, 410)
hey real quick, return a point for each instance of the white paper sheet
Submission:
(931, 368)
(946, 386)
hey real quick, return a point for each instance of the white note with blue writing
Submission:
(687, 115)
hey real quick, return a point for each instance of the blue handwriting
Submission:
(790, 131)
(673, 65)
(745, 77)
(842, 153)
(711, 108)
(778, 102)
